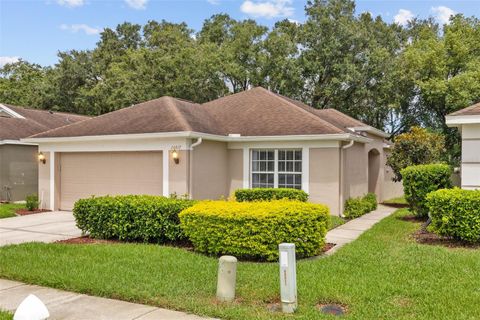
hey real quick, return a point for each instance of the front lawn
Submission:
(396, 201)
(7, 210)
(4, 315)
(382, 275)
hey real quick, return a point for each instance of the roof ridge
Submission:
(170, 101)
(285, 99)
(344, 115)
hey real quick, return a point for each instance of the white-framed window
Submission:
(276, 168)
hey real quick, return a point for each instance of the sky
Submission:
(36, 30)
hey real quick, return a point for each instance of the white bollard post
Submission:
(288, 277)
(227, 278)
(31, 308)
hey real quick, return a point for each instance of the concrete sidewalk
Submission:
(351, 230)
(74, 306)
(41, 227)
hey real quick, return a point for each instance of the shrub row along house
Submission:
(18, 159)
(251, 139)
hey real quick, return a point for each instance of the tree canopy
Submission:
(389, 76)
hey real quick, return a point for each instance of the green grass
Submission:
(335, 221)
(4, 315)
(398, 200)
(7, 210)
(382, 275)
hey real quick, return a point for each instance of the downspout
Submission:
(341, 184)
(190, 169)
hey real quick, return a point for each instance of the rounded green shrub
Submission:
(418, 181)
(266, 194)
(455, 213)
(253, 230)
(356, 207)
(131, 218)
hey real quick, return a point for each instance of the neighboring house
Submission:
(468, 122)
(255, 138)
(18, 160)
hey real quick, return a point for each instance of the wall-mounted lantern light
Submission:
(175, 157)
(41, 158)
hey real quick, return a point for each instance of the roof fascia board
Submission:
(16, 142)
(453, 121)
(371, 130)
(190, 134)
(11, 112)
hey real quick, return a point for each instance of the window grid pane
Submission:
(288, 171)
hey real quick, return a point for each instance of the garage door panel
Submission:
(100, 173)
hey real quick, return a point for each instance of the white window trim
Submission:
(248, 172)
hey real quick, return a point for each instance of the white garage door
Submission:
(108, 173)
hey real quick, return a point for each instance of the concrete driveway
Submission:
(42, 227)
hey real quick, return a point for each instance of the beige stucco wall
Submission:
(178, 174)
(356, 171)
(235, 170)
(44, 182)
(210, 170)
(18, 171)
(470, 171)
(324, 186)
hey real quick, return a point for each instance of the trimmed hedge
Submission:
(253, 230)
(356, 207)
(420, 180)
(455, 213)
(265, 194)
(131, 218)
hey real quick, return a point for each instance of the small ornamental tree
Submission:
(419, 146)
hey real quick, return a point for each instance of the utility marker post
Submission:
(227, 278)
(288, 277)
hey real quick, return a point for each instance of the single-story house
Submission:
(468, 122)
(251, 139)
(18, 159)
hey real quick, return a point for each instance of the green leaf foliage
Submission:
(418, 146)
(253, 230)
(265, 194)
(131, 218)
(420, 180)
(356, 207)
(455, 213)
(31, 202)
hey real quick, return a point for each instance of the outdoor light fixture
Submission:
(41, 158)
(175, 157)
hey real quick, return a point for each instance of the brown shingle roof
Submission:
(470, 111)
(165, 114)
(35, 121)
(255, 112)
(259, 112)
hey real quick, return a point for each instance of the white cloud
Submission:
(442, 14)
(215, 2)
(71, 3)
(403, 17)
(5, 60)
(268, 9)
(137, 4)
(81, 27)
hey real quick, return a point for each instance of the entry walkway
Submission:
(40, 227)
(64, 305)
(351, 230)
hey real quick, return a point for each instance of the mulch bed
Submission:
(423, 236)
(25, 212)
(327, 247)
